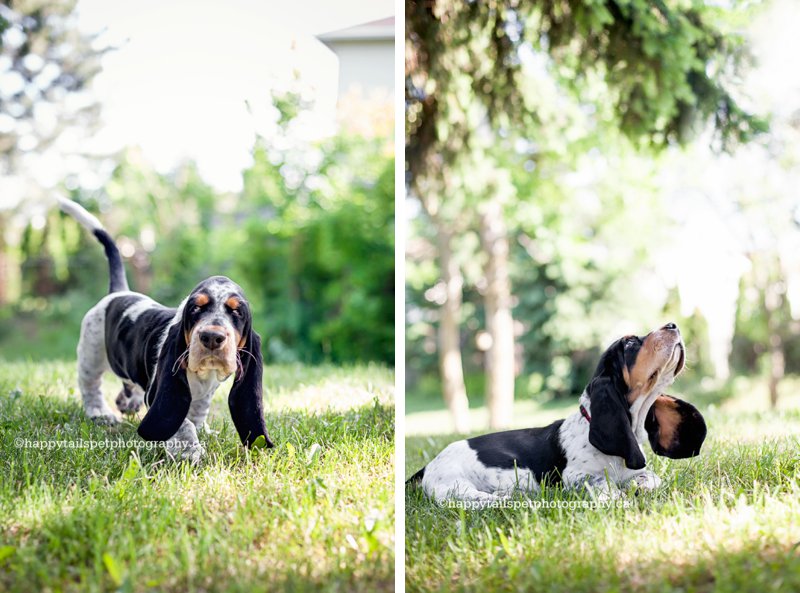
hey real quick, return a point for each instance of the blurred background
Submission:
(254, 142)
(577, 171)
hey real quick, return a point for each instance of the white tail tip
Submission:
(79, 213)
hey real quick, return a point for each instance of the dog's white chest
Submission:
(202, 385)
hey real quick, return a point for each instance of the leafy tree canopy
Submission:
(668, 68)
(45, 64)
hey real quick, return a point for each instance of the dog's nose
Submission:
(671, 326)
(212, 339)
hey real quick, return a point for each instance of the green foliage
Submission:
(578, 249)
(545, 107)
(51, 60)
(326, 260)
(312, 245)
(669, 65)
(666, 69)
(756, 326)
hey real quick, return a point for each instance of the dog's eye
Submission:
(196, 309)
(630, 342)
(236, 312)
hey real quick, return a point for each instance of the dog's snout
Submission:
(671, 326)
(212, 339)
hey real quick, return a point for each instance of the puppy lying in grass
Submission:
(599, 446)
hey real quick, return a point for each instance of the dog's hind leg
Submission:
(92, 363)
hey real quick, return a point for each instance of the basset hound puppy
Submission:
(171, 359)
(597, 447)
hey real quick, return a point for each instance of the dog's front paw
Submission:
(601, 490)
(185, 450)
(185, 445)
(647, 481)
(605, 494)
(102, 415)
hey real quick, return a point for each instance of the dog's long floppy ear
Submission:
(610, 427)
(245, 398)
(675, 428)
(168, 395)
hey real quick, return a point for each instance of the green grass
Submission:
(728, 520)
(315, 513)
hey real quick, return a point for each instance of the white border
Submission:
(399, 297)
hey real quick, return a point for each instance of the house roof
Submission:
(380, 29)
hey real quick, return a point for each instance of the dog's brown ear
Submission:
(675, 428)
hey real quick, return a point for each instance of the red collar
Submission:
(585, 414)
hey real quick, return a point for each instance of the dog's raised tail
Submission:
(117, 281)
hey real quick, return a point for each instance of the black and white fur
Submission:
(171, 359)
(598, 448)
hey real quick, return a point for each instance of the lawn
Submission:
(728, 520)
(315, 513)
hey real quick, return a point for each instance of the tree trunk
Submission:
(450, 365)
(4, 263)
(773, 299)
(777, 366)
(499, 319)
(768, 280)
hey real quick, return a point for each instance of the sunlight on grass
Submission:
(340, 389)
(727, 520)
(315, 513)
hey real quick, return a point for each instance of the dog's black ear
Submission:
(245, 398)
(675, 428)
(168, 396)
(610, 427)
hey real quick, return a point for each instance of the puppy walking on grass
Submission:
(170, 359)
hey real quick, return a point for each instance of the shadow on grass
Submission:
(720, 522)
(751, 566)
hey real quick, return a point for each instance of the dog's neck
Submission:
(638, 412)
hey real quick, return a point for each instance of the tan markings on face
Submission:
(233, 303)
(655, 355)
(200, 300)
(625, 374)
(668, 418)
